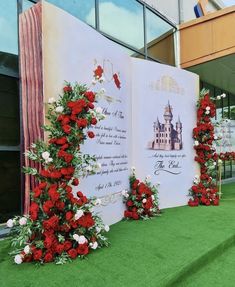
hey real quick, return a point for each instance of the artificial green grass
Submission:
(164, 251)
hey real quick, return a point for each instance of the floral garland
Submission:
(61, 226)
(204, 190)
(142, 199)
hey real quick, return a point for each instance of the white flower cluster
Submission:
(196, 179)
(46, 157)
(207, 112)
(221, 96)
(80, 239)
(78, 214)
(125, 193)
(12, 222)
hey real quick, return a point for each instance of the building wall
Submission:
(180, 11)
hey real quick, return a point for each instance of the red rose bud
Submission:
(90, 134)
(66, 129)
(72, 253)
(75, 182)
(93, 121)
(67, 89)
(90, 96)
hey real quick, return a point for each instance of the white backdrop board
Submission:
(72, 51)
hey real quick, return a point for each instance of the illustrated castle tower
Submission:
(165, 136)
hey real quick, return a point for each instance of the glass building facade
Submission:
(135, 26)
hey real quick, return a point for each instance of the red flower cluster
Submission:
(141, 201)
(53, 206)
(204, 191)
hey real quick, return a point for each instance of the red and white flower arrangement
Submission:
(60, 225)
(142, 199)
(204, 190)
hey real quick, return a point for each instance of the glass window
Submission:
(8, 26)
(10, 184)
(9, 111)
(27, 4)
(83, 10)
(160, 38)
(123, 19)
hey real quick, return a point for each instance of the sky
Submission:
(229, 2)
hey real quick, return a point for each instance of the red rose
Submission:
(117, 81)
(75, 182)
(36, 192)
(72, 253)
(60, 205)
(59, 248)
(135, 184)
(54, 195)
(67, 89)
(98, 72)
(135, 215)
(42, 185)
(47, 205)
(90, 96)
(34, 207)
(90, 105)
(68, 188)
(69, 215)
(55, 174)
(82, 249)
(48, 242)
(33, 215)
(93, 121)
(82, 123)
(127, 213)
(86, 220)
(45, 173)
(61, 141)
(129, 203)
(67, 245)
(37, 254)
(90, 134)
(48, 257)
(79, 194)
(66, 129)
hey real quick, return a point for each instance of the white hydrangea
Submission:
(82, 239)
(18, 259)
(98, 229)
(78, 214)
(23, 221)
(59, 109)
(76, 237)
(10, 223)
(106, 228)
(94, 245)
(51, 100)
(98, 202)
(27, 249)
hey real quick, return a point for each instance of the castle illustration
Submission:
(166, 137)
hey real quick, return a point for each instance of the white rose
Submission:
(207, 112)
(76, 237)
(208, 108)
(98, 229)
(78, 214)
(27, 249)
(144, 200)
(153, 197)
(45, 155)
(18, 259)
(89, 168)
(148, 177)
(218, 97)
(196, 143)
(59, 109)
(49, 160)
(94, 245)
(102, 91)
(99, 110)
(51, 101)
(98, 202)
(106, 228)
(23, 221)
(82, 239)
(10, 223)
